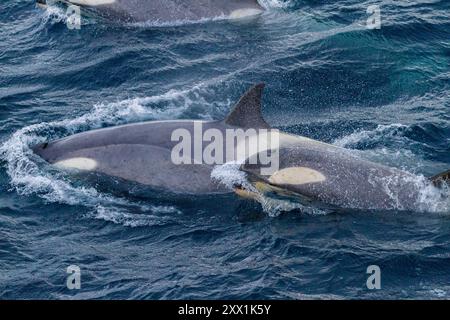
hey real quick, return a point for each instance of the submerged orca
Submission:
(166, 11)
(308, 170)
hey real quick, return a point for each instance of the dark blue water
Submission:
(383, 93)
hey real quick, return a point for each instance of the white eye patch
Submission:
(85, 164)
(296, 176)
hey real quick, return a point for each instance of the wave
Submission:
(151, 216)
(380, 132)
(429, 199)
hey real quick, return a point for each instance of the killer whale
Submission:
(308, 170)
(165, 11)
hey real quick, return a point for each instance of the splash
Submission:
(54, 14)
(364, 136)
(429, 198)
(230, 175)
(269, 4)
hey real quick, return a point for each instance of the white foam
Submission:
(229, 175)
(120, 216)
(429, 199)
(268, 4)
(54, 14)
(369, 135)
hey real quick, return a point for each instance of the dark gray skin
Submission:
(165, 11)
(137, 152)
(141, 153)
(351, 182)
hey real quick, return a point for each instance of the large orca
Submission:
(166, 11)
(308, 170)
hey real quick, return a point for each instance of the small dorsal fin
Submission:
(439, 179)
(247, 112)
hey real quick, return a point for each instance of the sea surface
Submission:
(383, 93)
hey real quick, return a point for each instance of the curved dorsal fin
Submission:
(247, 112)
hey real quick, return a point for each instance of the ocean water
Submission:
(383, 93)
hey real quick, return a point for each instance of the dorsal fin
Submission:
(247, 112)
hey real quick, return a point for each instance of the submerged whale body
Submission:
(308, 170)
(166, 11)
